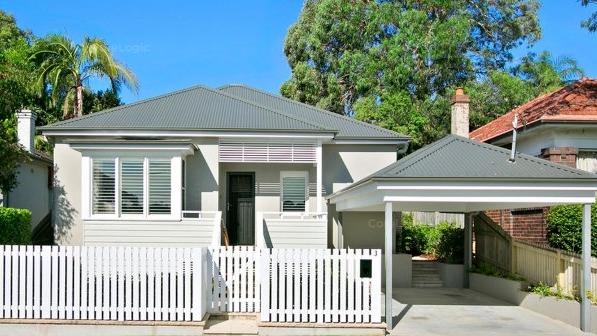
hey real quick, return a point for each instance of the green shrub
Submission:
(15, 226)
(564, 228)
(445, 241)
(450, 246)
(413, 238)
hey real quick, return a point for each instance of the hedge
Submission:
(445, 241)
(15, 226)
(564, 228)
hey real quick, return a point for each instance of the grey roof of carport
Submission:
(466, 165)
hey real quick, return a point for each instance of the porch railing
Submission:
(291, 229)
(214, 218)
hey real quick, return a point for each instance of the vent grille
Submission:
(233, 151)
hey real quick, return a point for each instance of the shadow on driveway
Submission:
(457, 312)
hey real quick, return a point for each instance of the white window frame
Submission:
(175, 186)
(293, 173)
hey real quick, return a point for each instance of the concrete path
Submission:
(461, 312)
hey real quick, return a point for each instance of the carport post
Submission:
(468, 246)
(585, 305)
(388, 229)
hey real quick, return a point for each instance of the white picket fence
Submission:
(182, 284)
(235, 280)
(321, 286)
(102, 283)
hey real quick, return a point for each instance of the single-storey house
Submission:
(561, 127)
(163, 170)
(182, 168)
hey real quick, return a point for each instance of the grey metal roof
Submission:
(229, 108)
(347, 127)
(458, 157)
(195, 108)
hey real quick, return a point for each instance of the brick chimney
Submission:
(460, 111)
(26, 129)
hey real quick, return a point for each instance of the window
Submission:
(159, 186)
(139, 186)
(131, 190)
(294, 191)
(587, 161)
(103, 193)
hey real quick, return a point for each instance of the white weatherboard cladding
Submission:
(249, 151)
(186, 232)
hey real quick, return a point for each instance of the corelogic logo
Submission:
(375, 224)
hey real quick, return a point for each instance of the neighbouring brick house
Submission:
(561, 127)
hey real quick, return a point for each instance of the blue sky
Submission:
(176, 44)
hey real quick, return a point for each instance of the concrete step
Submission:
(233, 327)
(439, 285)
(425, 274)
(423, 278)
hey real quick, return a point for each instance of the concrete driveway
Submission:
(458, 312)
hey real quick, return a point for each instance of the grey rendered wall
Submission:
(342, 166)
(32, 190)
(67, 196)
(202, 171)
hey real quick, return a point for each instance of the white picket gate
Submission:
(102, 283)
(235, 280)
(320, 286)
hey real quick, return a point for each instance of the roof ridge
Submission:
(194, 87)
(116, 108)
(217, 91)
(312, 107)
(427, 150)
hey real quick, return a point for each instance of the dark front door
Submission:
(240, 216)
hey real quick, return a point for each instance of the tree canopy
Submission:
(395, 63)
(19, 89)
(591, 22)
(66, 67)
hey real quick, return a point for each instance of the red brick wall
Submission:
(561, 155)
(523, 224)
(531, 224)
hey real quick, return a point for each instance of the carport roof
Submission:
(458, 157)
(456, 174)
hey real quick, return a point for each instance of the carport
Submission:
(459, 175)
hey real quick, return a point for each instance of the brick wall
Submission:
(561, 155)
(524, 224)
(531, 224)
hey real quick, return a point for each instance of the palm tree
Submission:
(66, 67)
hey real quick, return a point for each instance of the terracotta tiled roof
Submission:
(576, 102)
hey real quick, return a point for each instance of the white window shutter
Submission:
(159, 186)
(131, 191)
(104, 192)
(294, 191)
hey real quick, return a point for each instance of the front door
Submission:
(240, 209)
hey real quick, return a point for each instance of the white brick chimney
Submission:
(26, 129)
(460, 111)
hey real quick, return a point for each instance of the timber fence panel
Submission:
(319, 286)
(101, 283)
